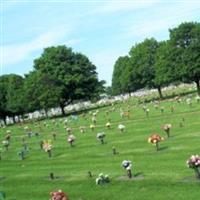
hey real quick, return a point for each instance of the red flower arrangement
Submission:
(155, 139)
(58, 195)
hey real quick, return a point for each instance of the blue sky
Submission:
(102, 30)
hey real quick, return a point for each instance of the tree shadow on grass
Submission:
(162, 148)
(138, 174)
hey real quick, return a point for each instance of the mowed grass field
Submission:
(165, 175)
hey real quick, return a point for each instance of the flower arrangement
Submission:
(8, 131)
(189, 101)
(102, 179)
(92, 126)
(197, 99)
(100, 137)
(82, 129)
(47, 146)
(155, 139)
(58, 195)
(127, 165)
(147, 112)
(121, 127)
(167, 128)
(125, 114)
(65, 121)
(6, 144)
(26, 128)
(71, 138)
(94, 120)
(108, 124)
(194, 163)
(69, 130)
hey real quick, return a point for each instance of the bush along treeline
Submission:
(153, 64)
(60, 77)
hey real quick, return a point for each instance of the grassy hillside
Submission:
(161, 175)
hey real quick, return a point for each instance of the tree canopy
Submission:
(153, 64)
(72, 73)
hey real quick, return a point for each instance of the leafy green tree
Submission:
(15, 104)
(75, 74)
(3, 92)
(11, 95)
(164, 66)
(117, 78)
(143, 59)
(41, 92)
(185, 40)
(31, 92)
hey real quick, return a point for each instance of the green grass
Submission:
(165, 173)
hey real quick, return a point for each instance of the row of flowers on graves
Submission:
(193, 162)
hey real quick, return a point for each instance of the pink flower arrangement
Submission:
(47, 146)
(71, 138)
(167, 128)
(194, 163)
(155, 139)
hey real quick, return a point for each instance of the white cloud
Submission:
(13, 54)
(118, 6)
(161, 20)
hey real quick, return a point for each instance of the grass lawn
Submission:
(164, 174)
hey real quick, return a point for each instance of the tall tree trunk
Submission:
(160, 92)
(14, 121)
(46, 113)
(4, 120)
(198, 86)
(62, 109)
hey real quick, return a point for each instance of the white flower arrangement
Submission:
(94, 120)
(5, 143)
(126, 164)
(108, 124)
(92, 126)
(102, 179)
(101, 136)
(82, 129)
(189, 101)
(26, 128)
(167, 128)
(69, 130)
(71, 138)
(121, 127)
(197, 99)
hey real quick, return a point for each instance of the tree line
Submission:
(59, 77)
(153, 64)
